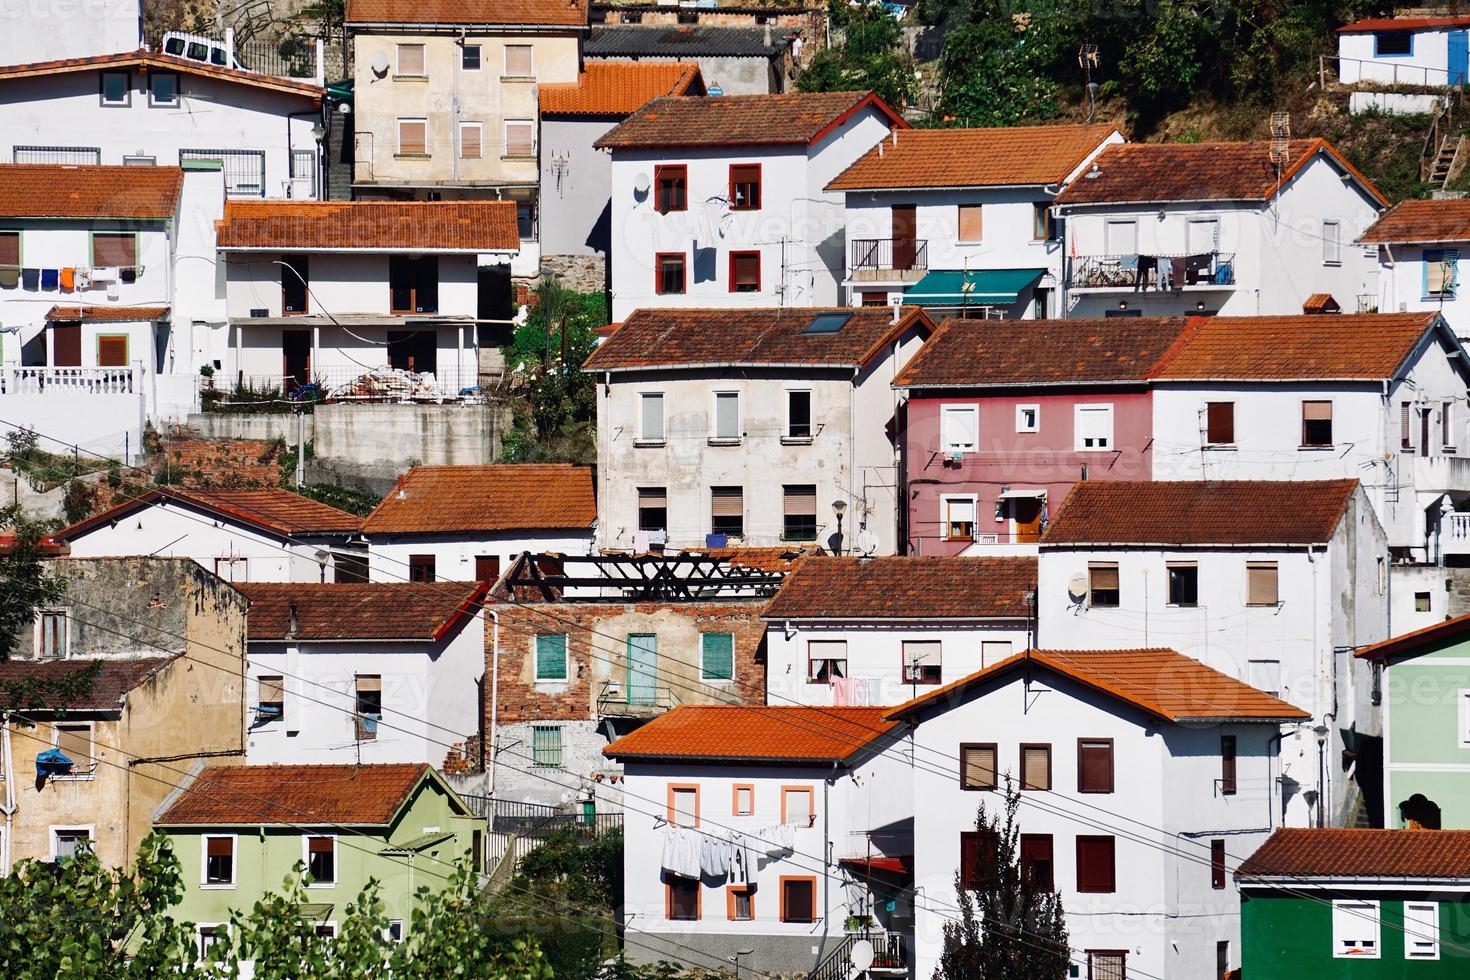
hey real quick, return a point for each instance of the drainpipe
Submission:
(9, 773)
(492, 735)
(454, 108)
(826, 864)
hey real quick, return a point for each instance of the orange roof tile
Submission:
(411, 611)
(1000, 157)
(1421, 222)
(1321, 303)
(1208, 513)
(906, 588)
(110, 314)
(248, 796)
(1374, 24)
(511, 13)
(53, 190)
(618, 88)
(276, 511)
(770, 734)
(1161, 682)
(739, 120)
(151, 60)
(107, 691)
(1353, 852)
(494, 497)
(441, 226)
(1449, 631)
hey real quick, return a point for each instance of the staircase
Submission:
(1439, 171)
(889, 959)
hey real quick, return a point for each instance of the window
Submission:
(1183, 584)
(873, 298)
(1094, 765)
(743, 802)
(994, 651)
(798, 414)
(959, 428)
(487, 568)
(413, 137)
(1227, 765)
(683, 899)
(727, 416)
(745, 186)
(977, 858)
(411, 59)
(470, 141)
(9, 249)
(395, 931)
(519, 61)
(209, 937)
(1260, 583)
(551, 657)
(1028, 418)
(668, 270)
(271, 705)
(825, 660)
(740, 903)
(1406, 426)
(1217, 863)
(116, 88)
(671, 188)
(1421, 602)
(727, 511)
(1355, 927)
(717, 656)
(683, 805)
(1316, 424)
(112, 350)
(469, 57)
(67, 842)
(653, 509)
(1036, 766)
(1332, 243)
(421, 568)
(1220, 423)
(798, 899)
(545, 745)
(520, 138)
(52, 634)
(745, 272)
(163, 88)
(131, 160)
(115, 248)
(1447, 426)
(651, 416)
(321, 859)
(1036, 861)
(1042, 228)
(1096, 871)
(1421, 930)
(799, 512)
(1222, 958)
(219, 859)
(326, 930)
(1393, 44)
(413, 285)
(1102, 585)
(797, 806)
(1264, 675)
(921, 661)
(1107, 964)
(75, 742)
(977, 766)
(1121, 237)
(1094, 427)
(369, 708)
(970, 222)
(1441, 272)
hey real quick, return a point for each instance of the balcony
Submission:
(1441, 474)
(616, 700)
(69, 381)
(889, 957)
(878, 260)
(1162, 273)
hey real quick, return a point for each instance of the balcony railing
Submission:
(889, 258)
(888, 956)
(1203, 270)
(615, 700)
(69, 381)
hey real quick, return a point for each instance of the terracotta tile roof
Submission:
(1428, 637)
(495, 497)
(906, 588)
(1321, 303)
(1189, 512)
(1358, 347)
(738, 120)
(276, 511)
(617, 88)
(682, 338)
(771, 734)
(151, 60)
(1373, 24)
(108, 314)
(468, 226)
(115, 678)
(517, 13)
(1421, 221)
(1163, 172)
(247, 796)
(1352, 852)
(412, 611)
(1010, 156)
(965, 353)
(53, 190)
(1162, 682)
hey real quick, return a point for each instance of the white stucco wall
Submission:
(454, 555)
(1401, 284)
(1426, 64)
(342, 282)
(31, 32)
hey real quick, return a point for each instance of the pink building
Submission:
(1004, 416)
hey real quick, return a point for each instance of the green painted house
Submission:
(1424, 684)
(238, 831)
(1356, 904)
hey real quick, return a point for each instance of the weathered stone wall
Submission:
(583, 273)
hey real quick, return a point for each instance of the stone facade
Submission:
(582, 273)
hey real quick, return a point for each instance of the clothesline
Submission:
(690, 852)
(66, 278)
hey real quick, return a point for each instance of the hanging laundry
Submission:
(1177, 269)
(84, 280)
(9, 276)
(742, 860)
(859, 696)
(770, 842)
(104, 274)
(30, 278)
(640, 542)
(681, 851)
(68, 279)
(50, 278)
(714, 858)
(841, 691)
(787, 837)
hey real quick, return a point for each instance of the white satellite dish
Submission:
(380, 64)
(640, 184)
(1077, 587)
(861, 955)
(866, 542)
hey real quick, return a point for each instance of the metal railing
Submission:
(69, 381)
(292, 57)
(1140, 272)
(880, 253)
(341, 383)
(1386, 73)
(516, 829)
(888, 955)
(82, 155)
(616, 699)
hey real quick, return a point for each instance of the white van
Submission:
(197, 47)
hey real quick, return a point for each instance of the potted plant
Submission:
(206, 372)
(857, 923)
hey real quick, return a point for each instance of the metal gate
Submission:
(244, 169)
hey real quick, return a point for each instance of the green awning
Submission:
(419, 843)
(977, 287)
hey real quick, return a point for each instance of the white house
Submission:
(1164, 229)
(362, 672)
(959, 220)
(34, 32)
(884, 630)
(468, 523)
(1143, 776)
(1274, 583)
(140, 108)
(366, 299)
(758, 427)
(723, 201)
(813, 820)
(1419, 245)
(1420, 51)
(266, 535)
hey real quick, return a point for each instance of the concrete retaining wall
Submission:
(1393, 103)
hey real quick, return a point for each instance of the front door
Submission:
(1459, 57)
(1026, 513)
(66, 344)
(905, 226)
(295, 358)
(413, 350)
(642, 668)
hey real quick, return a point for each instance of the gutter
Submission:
(7, 770)
(707, 365)
(494, 698)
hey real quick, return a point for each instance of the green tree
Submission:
(993, 74)
(556, 404)
(871, 56)
(26, 582)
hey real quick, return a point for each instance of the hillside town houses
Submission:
(931, 511)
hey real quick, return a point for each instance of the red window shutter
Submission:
(1094, 766)
(1096, 870)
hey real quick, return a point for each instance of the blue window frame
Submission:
(1393, 44)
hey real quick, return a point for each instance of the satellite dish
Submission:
(640, 184)
(1077, 587)
(866, 542)
(862, 955)
(380, 64)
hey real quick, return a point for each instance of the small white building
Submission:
(363, 672)
(468, 523)
(959, 220)
(36, 32)
(1421, 51)
(758, 427)
(859, 631)
(1274, 583)
(1164, 229)
(266, 535)
(365, 299)
(1419, 245)
(723, 201)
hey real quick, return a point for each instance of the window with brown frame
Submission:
(1217, 863)
(1096, 865)
(977, 765)
(1107, 964)
(115, 249)
(683, 899)
(740, 901)
(1316, 424)
(1220, 423)
(413, 283)
(487, 568)
(669, 273)
(798, 899)
(295, 279)
(745, 272)
(1036, 861)
(421, 568)
(1102, 585)
(1036, 766)
(1094, 765)
(977, 858)
(1260, 583)
(112, 350)
(1227, 765)
(970, 216)
(9, 249)
(745, 186)
(671, 188)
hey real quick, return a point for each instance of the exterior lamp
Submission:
(839, 507)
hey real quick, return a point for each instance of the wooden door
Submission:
(904, 228)
(295, 358)
(1026, 512)
(66, 344)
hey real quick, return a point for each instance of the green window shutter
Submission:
(551, 657)
(719, 656)
(545, 745)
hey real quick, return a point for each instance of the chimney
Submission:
(291, 628)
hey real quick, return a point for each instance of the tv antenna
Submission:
(1087, 60)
